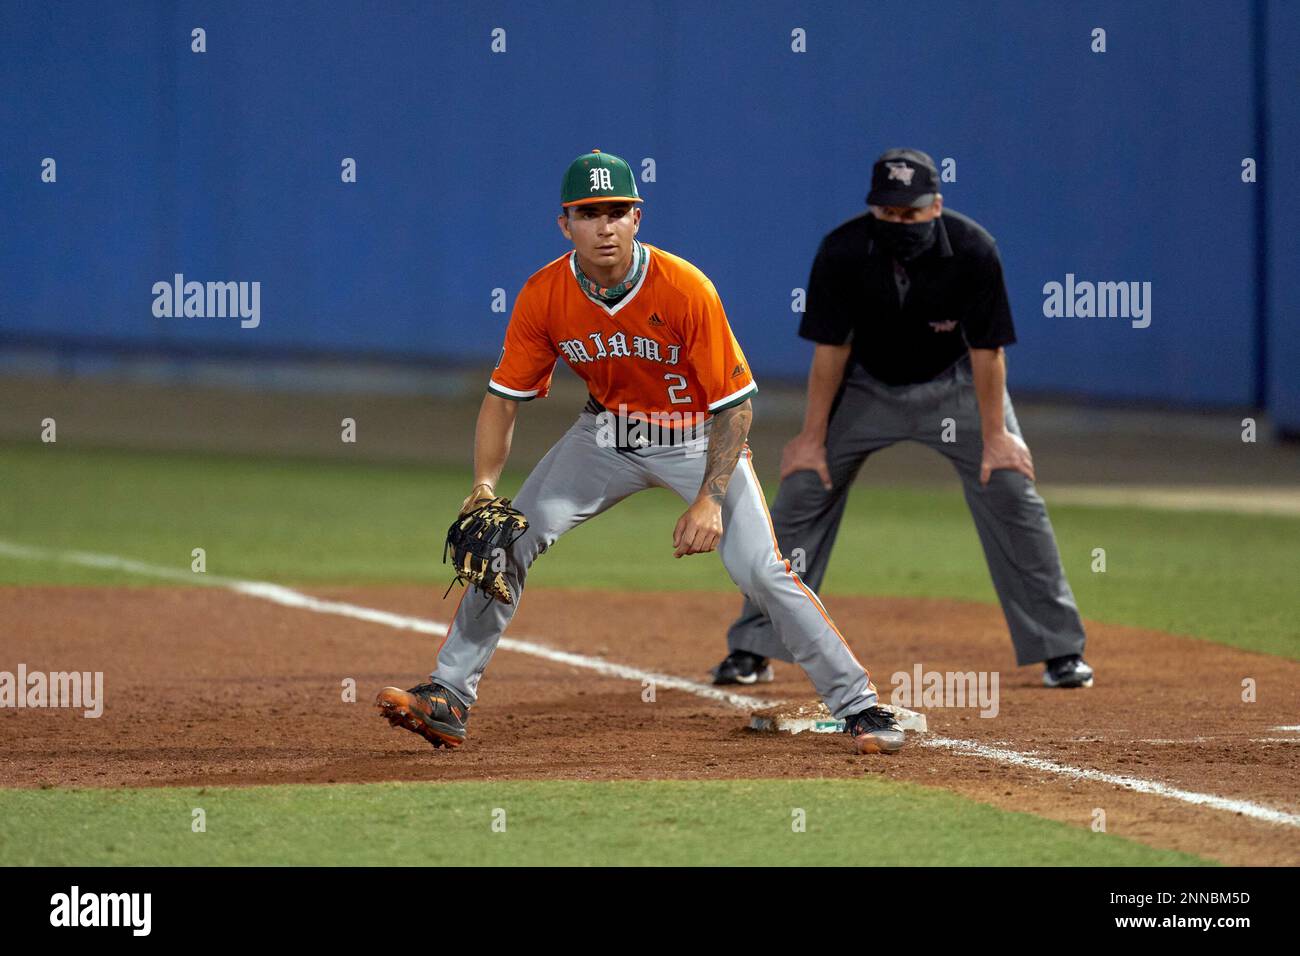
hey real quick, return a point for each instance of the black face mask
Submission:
(903, 240)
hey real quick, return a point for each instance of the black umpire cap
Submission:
(903, 177)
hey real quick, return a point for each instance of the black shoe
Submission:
(742, 667)
(875, 731)
(1068, 671)
(429, 710)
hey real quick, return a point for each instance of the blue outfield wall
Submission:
(225, 165)
(1282, 76)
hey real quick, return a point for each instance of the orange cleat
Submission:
(430, 710)
(875, 731)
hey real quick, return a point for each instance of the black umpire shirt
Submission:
(910, 321)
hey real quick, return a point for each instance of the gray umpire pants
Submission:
(1009, 514)
(580, 477)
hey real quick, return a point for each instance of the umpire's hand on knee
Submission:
(699, 530)
(1005, 450)
(806, 452)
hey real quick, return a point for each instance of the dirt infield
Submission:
(207, 687)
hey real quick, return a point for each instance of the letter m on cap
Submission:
(600, 180)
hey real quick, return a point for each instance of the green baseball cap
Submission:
(598, 177)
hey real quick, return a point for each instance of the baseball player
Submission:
(669, 407)
(909, 313)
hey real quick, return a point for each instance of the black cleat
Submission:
(1068, 671)
(742, 667)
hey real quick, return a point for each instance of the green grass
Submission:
(869, 822)
(1228, 578)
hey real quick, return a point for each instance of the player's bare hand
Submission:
(1008, 451)
(478, 494)
(699, 529)
(805, 453)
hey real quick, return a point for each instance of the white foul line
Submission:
(1017, 759)
(287, 597)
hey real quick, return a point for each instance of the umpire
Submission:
(909, 313)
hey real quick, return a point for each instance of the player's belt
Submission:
(633, 432)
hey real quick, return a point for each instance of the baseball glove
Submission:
(479, 542)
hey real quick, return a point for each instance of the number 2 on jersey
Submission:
(674, 391)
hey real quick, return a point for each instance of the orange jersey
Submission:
(665, 347)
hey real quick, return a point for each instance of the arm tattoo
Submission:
(727, 437)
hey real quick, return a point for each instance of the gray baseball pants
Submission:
(579, 478)
(1009, 514)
